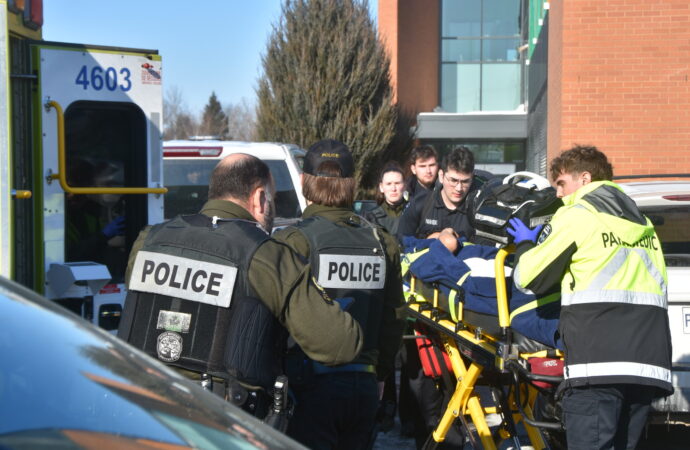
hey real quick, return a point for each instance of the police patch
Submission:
(173, 321)
(352, 271)
(186, 278)
(545, 232)
(169, 347)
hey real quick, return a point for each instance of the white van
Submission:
(187, 166)
(667, 204)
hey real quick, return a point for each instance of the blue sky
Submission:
(212, 45)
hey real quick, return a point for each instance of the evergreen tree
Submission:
(214, 122)
(326, 75)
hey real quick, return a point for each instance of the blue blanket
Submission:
(472, 269)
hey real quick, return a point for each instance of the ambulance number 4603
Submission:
(109, 78)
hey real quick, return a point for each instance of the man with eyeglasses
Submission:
(446, 206)
(426, 217)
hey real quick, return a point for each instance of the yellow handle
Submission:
(62, 165)
(21, 194)
(501, 294)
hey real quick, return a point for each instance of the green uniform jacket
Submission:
(391, 329)
(608, 261)
(387, 216)
(282, 281)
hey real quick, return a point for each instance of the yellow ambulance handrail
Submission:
(501, 293)
(62, 166)
(21, 194)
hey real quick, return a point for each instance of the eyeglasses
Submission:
(453, 182)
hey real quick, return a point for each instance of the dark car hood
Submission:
(60, 373)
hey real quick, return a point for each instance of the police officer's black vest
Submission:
(190, 304)
(379, 216)
(349, 262)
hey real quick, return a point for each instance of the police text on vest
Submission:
(186, 278)
(353, 272)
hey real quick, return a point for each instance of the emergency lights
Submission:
(32, 11)
(180, 152)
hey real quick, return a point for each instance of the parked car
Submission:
(362, 207)
(667, 204)
(187, 166)
(65, 383)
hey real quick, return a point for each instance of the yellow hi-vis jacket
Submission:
(608, 260)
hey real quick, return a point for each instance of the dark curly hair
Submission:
(582, 158)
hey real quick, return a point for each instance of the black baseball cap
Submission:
(329, 150)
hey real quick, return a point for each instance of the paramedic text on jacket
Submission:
(614, 325)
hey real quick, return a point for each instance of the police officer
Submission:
(609, 263)
(390, 198)
(358, 264)
(213, 295)
(446, 206)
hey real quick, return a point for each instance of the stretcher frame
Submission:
(473, 353)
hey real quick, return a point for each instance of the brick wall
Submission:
(409, 30)
(618, 79)
(388, 35)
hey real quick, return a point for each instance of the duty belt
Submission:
(320, 369)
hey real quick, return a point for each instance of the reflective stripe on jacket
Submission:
(608, 260)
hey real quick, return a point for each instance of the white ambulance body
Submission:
(83, 148)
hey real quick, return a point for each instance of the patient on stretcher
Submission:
(459, 265)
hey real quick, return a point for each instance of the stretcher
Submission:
(463, 349)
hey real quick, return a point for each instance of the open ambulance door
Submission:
(98, 166)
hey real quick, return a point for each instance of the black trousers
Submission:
(427, 403)
(336, 411)
(605, 416)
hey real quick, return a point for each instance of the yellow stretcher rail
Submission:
(61, 174)
(501, 294)
(473, 353)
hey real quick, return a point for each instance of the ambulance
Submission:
(81, 165)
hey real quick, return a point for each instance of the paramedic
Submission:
(608, 261)
(212, 293)
(424, 172)
(359, 265)
(445, 206)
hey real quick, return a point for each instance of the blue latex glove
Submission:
(115, 228)
(345, 302)
(521, 232)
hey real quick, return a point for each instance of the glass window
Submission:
(187, 183)
(461, 87)
(476, 34)
(503, 50)
(672, 224)
(287, 205)
(105, 146)
(502, 157)
(461, 18)
(501, 18)
(501, 87)
(461, 50)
